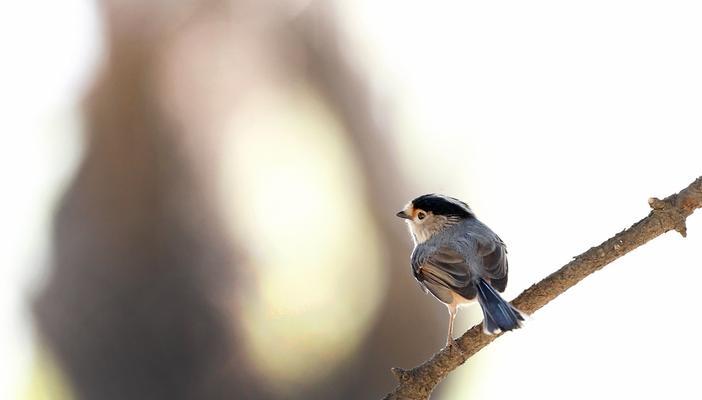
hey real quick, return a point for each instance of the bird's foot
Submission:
(451, 342)
(452, 346)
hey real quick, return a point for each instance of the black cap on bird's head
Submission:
(431, 213)
(439, 204)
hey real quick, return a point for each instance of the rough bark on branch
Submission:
(667, 214)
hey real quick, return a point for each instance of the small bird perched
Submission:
(457, 259)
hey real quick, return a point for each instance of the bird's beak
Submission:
(403, 214)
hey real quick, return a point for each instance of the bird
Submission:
(459, 260)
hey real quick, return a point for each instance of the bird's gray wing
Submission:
(441, 268)
(492, 254)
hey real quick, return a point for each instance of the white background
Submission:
(557, 121)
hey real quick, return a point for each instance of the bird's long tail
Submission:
(499, 315)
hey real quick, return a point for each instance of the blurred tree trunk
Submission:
(135, 306)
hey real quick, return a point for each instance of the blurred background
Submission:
(199, 195)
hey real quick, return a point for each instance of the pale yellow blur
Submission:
(297, 202)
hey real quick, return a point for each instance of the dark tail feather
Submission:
(499, 315)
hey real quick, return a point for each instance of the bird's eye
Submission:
(421, 215)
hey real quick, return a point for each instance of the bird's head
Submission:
(430, 213)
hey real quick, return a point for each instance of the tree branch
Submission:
(667, 214)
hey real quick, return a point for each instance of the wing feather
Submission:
(493, 253)
(443, 267)
(449, 265)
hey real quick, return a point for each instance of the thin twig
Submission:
(667, 214)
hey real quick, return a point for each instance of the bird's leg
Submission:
(452, 315)
(450, 342)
